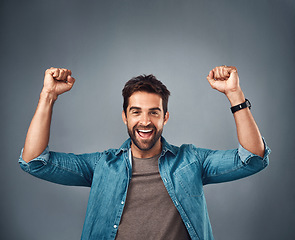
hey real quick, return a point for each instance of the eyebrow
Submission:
(134, 108)
(155, 109)
(150, 109)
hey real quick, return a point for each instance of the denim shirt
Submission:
(184, 170)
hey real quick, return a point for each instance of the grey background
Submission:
(105, 43)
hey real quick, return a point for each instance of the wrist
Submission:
(236, 97)
(48, 97)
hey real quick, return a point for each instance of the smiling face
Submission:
(145, 120)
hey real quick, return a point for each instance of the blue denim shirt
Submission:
(184, 170)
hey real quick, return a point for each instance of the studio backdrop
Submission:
(105, 43)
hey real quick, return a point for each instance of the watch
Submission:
(241, 106)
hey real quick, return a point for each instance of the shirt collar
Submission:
(166, 147)
(125, 146)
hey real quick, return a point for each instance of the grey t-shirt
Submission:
(149, 212)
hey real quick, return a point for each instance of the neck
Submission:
(138, 153)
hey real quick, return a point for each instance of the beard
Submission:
(142, 144)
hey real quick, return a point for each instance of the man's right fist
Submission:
(57, 81)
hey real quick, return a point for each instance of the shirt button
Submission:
(115, 226)
(122, 202)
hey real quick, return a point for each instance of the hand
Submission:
(225, 79)
(57, 81)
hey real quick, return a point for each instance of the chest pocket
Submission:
(190, 179)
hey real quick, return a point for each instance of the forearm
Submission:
(39, 131)
(248, 133)
(56, 82)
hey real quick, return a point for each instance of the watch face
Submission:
(248, 103)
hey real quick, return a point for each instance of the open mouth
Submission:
(145, 133)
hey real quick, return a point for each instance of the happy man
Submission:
(146, 189)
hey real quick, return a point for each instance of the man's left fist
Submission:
(225, 79)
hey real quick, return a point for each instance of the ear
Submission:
(166, 118)
(124, 117)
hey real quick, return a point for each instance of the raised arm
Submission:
(225, 79)
(56, 82)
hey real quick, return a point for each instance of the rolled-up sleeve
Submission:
(41, 160)
(246, 156)
(62, 168)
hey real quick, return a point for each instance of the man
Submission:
(146, 189)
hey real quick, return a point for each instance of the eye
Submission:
(154, 113)
(135, 112)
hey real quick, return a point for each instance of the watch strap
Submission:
(241, 106)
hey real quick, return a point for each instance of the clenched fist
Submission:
(57, 81)
(225, 79)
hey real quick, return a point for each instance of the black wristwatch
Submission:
(241, 106)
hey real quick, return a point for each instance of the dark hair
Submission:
(145, 83)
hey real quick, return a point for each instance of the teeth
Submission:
(145, 131)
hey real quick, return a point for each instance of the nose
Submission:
(145, 119)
